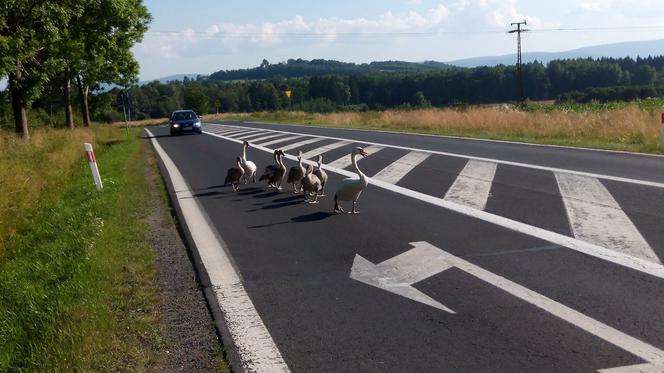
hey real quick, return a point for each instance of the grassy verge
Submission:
(630, 127)
(77, 288)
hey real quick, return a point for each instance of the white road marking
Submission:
(325, 148)
(596, 217)
(281, 140)
(345, 161)
(227, 132)
(237, 135)
(300, 144)
(426, 260)
(638, 368)
(398, 274)
(518, 164)
(248, 137)
(255, 346)
(470, 139)
(401, 167)
(628, 261)
(267, 137)
(471, 188)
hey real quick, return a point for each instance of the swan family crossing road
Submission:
(523, 222)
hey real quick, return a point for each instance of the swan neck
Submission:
(357, 169)
(244, 152)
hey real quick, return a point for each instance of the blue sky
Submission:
(203, 36)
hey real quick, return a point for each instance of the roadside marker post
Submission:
(90, 155)
(661, 136)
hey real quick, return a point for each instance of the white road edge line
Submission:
(463, 156)
(587, 248)
(614, 336)
(255, 346)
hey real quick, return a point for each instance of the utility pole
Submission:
(519, 68)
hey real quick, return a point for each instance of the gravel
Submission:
(191, 341)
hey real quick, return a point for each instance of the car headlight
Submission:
(197, 124)
(176, 126)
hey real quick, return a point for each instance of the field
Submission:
(622, 126)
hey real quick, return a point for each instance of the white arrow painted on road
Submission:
(398, 274)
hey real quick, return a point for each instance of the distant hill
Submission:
(301, 68)
(171, 78)
(616, 50)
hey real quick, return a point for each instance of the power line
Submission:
(518, 31)
(403, 34)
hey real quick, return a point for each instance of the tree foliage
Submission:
(579, 79)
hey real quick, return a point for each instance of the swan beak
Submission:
(363, 153)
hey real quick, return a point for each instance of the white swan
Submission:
(249, 167)
(351, 188)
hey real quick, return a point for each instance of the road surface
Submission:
(468, 256)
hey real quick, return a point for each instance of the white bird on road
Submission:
(249, 167)
(351, 188)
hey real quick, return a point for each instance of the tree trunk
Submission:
(19, 105)
(69, 115)
(83, 90)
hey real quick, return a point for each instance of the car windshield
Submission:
(184, 115)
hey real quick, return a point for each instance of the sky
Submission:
(204, 36)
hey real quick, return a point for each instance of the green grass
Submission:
(77, 289)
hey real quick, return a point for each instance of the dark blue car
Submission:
(185, 120)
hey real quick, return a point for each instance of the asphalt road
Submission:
(521, 303)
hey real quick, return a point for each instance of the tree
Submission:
(196, 100)
(101, 40)
(420, 100)
(28, 28)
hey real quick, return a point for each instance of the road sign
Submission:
(288, 93)
(397, 275)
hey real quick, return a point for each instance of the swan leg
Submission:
(254, 178)
(354, 211)
(337, 208)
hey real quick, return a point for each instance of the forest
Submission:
(578, 80)
(328, 86)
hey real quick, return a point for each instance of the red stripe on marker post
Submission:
(92, 161)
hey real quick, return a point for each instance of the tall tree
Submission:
(99, 45)
(27, 30)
